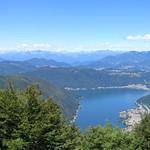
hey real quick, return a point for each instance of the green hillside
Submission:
(88, 78)
(66, 101)
(14, 67)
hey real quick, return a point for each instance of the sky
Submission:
(74, 25)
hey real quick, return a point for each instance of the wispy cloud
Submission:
(40, 46)
(35, 46)
(78, 48)
(145, 37)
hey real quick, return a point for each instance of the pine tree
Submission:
(27, 121)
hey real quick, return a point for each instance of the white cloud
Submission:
(32, 47)
(35, 46)
(40, 46)
(145, 37)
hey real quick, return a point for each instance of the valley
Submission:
(63, 81)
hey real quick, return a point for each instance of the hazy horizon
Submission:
(67, 51)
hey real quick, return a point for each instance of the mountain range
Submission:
(67, 57)
(128, 60)
(53, 72)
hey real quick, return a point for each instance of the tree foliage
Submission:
(106, 138)
(27, 121)
(142, 134)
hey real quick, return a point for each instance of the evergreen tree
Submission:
(142, 134)
(29, 122)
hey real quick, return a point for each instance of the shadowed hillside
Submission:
(67, 103)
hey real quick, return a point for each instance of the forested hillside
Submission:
(66, 101)
(88, 78)
(14, 67)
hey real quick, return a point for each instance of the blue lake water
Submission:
(101, 106)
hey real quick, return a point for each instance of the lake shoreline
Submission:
(130, 86)
(96, 106)
(76, 114)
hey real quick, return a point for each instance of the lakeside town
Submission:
(133, 116)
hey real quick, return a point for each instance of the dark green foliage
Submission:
(107, 138)
(142, 134)
(29, 122)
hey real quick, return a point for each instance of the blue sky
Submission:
(74, 25)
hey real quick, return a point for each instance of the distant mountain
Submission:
(14, 67)
(67, 57)
(41, 62)
(88, 78)
(128, 60)
(17, 67)
(67, 103)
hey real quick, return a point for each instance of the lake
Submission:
(97, 107)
